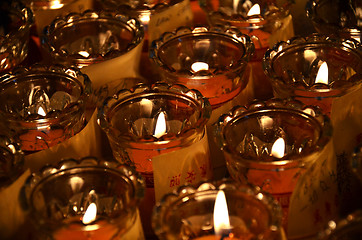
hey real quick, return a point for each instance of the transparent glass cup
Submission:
(86, 198)
(15, 24)
(295, 69)
(349, 228)
(335, 17)
(160, 130)
(129, 119)
(271, 144)
(11, 160)
(188, 213)
(211, 60)
(90, 37)
(43, 105)
(258, 19)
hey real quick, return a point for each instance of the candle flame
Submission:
(160, 128)
(41, 111)
(199, 66)
(322, 75)
(84, 53)
(55, 4)
(278, 148)
(221, 214)
(254, 10)
(90, 214)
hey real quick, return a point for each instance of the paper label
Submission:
(136, 231)
(126, 65)
(326, 189)
(170, 19)
(188, 165)
(284, 33)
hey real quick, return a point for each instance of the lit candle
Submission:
(271, 144)
(211, 60)
(223, 210)
(222, 226)
(315, 70)
(87, 199)
(44, 105)
(160, 130)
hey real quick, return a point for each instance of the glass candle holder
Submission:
(315, 69)
(142, 10)
(91, 37)
(335, 17)
(270, 144)
(211, 60)
(160, 130)
(261, 20)
(43, 105)
(88, 199)
(151, 120)
(11, 161)
(46, 10)
(15, 24)
(349, 227)
(217, 210)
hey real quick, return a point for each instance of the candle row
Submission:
(191, 115)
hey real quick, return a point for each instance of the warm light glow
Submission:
(55, 4)
(84, 53)
(278, 148)
(199, 66)
(41, 111)
(160, 128)
(221, 214)
(322, 75)
(254, 10)
(90, 214)
(145, 18)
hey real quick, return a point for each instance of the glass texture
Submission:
(292, 66)
(11, 160)
(15, 23)
(349, 228)
(236, 13)
(336, 17)
(248, 137)
(188, 212)
(129, 118)
(58, 197)
(43, 105)
(224, 52)
(90, 37)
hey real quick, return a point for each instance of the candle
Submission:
(106, 45)
(44, 105)
(217, 210)
(209, 60)
(270, 144)
(88, 198)
(160, 130)
(339, 19)
(316, 69)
